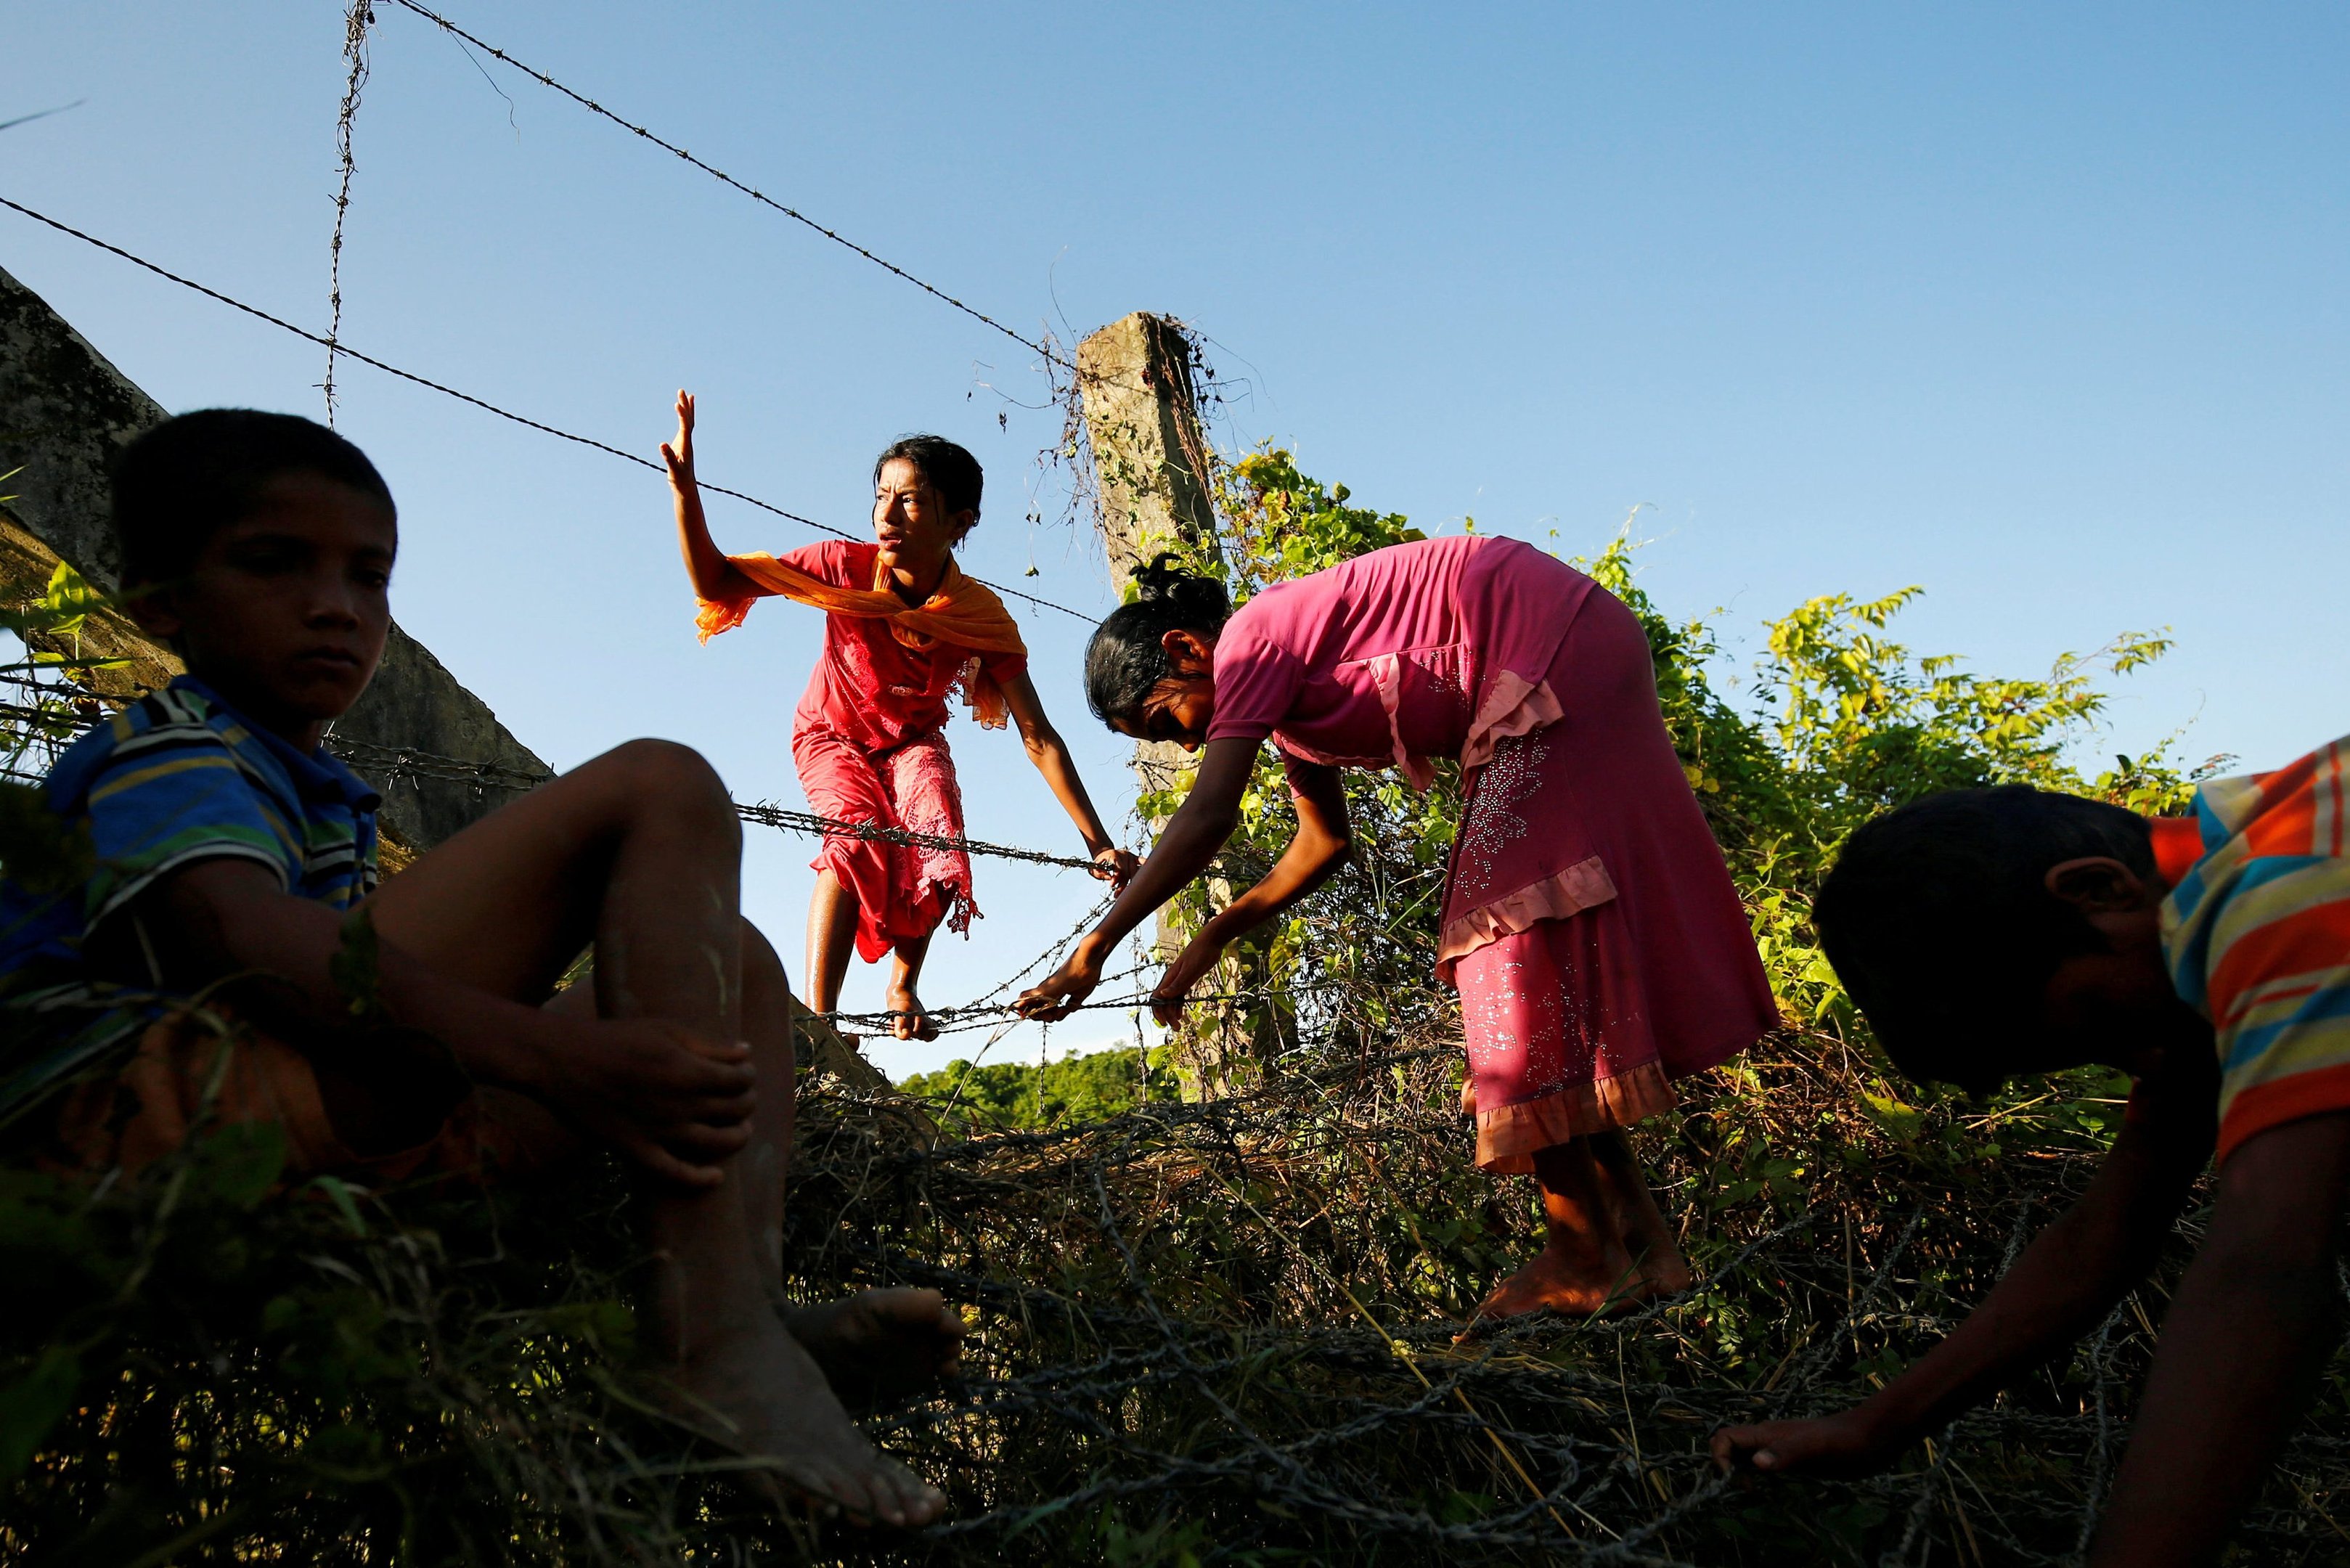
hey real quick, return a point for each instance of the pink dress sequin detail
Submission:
(1589, 924)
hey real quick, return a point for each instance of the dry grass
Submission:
(1203, 1333)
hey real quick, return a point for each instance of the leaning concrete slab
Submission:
(65, 411)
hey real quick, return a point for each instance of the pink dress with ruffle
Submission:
(1589, 924)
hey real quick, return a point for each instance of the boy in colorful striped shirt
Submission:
(1991, 933)
(235, 860)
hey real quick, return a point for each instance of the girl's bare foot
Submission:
(759, 1393)
(880, 1344)
(909, 1019)
(1666, 1271)
(1577, 1283)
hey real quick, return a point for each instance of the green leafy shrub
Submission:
(1093, 1087)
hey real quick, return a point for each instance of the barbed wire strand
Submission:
(346, 351)
(356, 22)
(393, 763)
(1034, 346)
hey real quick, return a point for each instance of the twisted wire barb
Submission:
(356, 22)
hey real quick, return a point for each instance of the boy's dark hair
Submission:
(1125, 662)
(945, 467)
(177, 485)
(1938, 921)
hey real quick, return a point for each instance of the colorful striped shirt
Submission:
(2256, 932)
(177, 777)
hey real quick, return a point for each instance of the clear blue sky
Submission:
(2042, 308)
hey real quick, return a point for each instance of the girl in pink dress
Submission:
(1588, 924)
(904, 630)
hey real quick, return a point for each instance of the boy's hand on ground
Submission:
(1117, 867)
(1841, 1446)
(674, 1102)
(679, 454)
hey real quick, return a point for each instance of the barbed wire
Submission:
(981, 1014)
(1294, 1419)
(1034, 346)
(346, 351)
(393, 763)
(357, 20)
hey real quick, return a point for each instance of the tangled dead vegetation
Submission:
(1203, 1333)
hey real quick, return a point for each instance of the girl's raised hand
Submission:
(679, 454)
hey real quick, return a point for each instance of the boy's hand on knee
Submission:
(675, 1103)
(1843, 1445)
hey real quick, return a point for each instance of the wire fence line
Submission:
(1034, 346)
(346, 351)
(981, 1014)
(393, 763)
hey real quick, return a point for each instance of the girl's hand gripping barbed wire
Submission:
(1058, 993)
(1116, 867)
(1200, 955)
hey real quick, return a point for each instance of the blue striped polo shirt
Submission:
(177, 777)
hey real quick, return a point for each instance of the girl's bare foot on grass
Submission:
(880, 1344)
(761, 1395)
(909, 1019)
(1580, 1283)
(1666, 1271)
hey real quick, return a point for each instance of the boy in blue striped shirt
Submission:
(230, 850)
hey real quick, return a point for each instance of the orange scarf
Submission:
(959, 613)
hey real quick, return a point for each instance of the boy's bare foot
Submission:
(763, 1396)
(1573, 1284)
(880, 1344)
(909, 1019)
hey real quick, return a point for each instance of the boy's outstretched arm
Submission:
(2241, 1349)
(2066, 1280)
(1050, 754)
(715, 576)
(677, 1104)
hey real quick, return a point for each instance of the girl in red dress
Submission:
(904, 629)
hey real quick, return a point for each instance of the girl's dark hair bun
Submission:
(1127, 659)
(1161, 581)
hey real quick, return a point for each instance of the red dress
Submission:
(868, 740)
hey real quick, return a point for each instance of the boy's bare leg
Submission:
(1646, 1234)
(874, 1345)
(905, 972)
(2242, 1349)
(878, 1344)
(831, 937)
(640, 851)
(1584, 1267)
